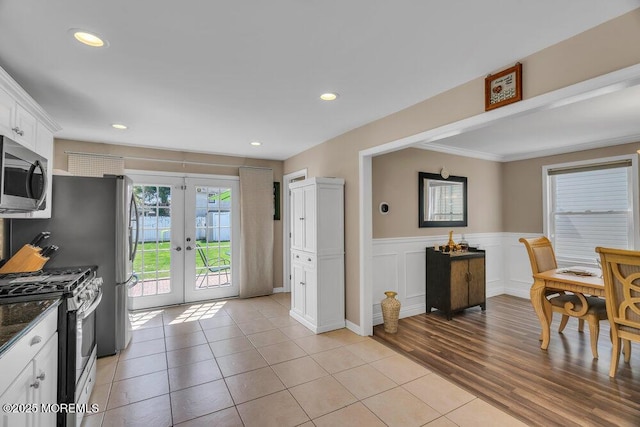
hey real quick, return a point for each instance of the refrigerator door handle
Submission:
(133, 246)
(135, 281)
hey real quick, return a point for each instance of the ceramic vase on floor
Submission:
(390, 312)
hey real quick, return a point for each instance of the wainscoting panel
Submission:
(416, 274)
(517, 266)
(399, 265)
(385, 277)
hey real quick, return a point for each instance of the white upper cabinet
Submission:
(7, 112)
(24, 121)
(24, 129)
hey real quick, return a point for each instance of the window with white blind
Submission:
(591, 204)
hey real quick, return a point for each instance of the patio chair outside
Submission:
(221, 265)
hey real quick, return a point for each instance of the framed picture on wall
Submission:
(276, 201)
(503, 88)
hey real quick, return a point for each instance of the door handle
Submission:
(178, 248)
(188, 248)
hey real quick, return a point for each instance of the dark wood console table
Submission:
(455, 281)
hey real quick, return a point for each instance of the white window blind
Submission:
(95, 165)
(590, 206)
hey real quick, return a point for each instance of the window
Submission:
(591, 204)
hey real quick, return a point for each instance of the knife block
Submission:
(27, 259)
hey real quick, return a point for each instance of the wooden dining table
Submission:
(579, 280)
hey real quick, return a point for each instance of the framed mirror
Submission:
(442, 202)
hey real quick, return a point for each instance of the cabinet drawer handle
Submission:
(308, 259)
(35, 385)
(297, 256)
(302, 283)
(36, 340)
(41, 377)
(301, 219)
(18, 131)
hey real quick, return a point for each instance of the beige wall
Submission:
(522, 195)
(395, 181)
(603, 49)
(60, 162)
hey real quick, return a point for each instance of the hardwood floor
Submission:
(496, 356)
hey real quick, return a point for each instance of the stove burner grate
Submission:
(43, 282)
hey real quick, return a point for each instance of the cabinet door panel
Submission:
(27, 125)
(19, 392)
(7, 110)
(298, 292)
(311, 295)
(459, 285)
(310, 223)
(477, 281)
(297, 218)
(46, 368)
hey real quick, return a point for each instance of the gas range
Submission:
(81, 293)
(73, 283)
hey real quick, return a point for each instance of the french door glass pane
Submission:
(213, 237)
(153, 259)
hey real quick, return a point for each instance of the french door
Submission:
(188, 240)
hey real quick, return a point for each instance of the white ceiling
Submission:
(212, 76)
(607, 119)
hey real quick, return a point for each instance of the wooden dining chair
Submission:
(543, 258)
(621, 273)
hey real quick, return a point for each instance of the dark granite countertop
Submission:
(18, 318)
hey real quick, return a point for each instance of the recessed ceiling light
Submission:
(256, 143)
(329, 96)
(87, 38)
(119, 126)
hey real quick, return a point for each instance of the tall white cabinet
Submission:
(317, 253)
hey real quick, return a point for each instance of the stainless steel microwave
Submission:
(23, 175)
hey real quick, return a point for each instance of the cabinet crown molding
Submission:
(14, 89)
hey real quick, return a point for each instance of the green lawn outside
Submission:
(157, 258)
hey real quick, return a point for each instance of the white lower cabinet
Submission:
(304, 292)
(34, 357)
(46, 372)
(317, 291)
(34, 386)
(20, 393)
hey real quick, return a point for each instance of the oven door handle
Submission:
(87, 312)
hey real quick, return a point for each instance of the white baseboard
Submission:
(404, 312)
(278, 290)
(355, 328)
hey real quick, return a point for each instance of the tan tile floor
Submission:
(247, 363)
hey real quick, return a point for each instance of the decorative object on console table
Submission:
(503, 88)
(451, 244)
(455, 280)
(390, 312)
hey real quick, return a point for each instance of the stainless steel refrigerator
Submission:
(94, 221)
